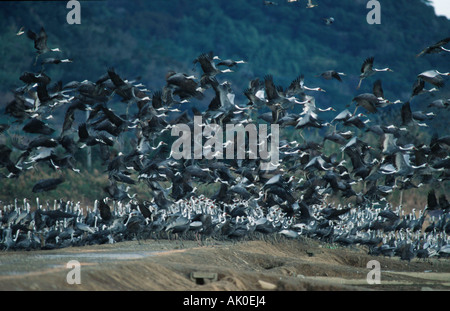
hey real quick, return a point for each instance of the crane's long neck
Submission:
(443, 73)
(381, 70)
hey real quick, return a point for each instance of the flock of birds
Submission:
(309, 5)
(250, 202)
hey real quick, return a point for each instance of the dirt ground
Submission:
(284, 265)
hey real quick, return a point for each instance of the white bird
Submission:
(21, 31)
(310, 5)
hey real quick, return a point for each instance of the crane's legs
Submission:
(359, 84)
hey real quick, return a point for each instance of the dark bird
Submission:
(135, 225)
(230, 63)
(42, 141)
(418, 88)
(47, 184)
(368, 101)
(328, 20)
(209, 68)
(40, 42)
(183, 85)
(91, 140)
(378, 89)
(439, 103)
(55, 61)
(443, 203)
(69, 118)
(336, 137)
(298, 87)
(331, 213)
(105, 211)
(30, 78)
(406, 114)
(116, 192)
(332, 74)
(4, 127)
(145, 211)
(36, 126)
(125, 89)
(435, 48)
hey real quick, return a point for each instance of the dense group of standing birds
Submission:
(290, 201)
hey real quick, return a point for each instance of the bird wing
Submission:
(83, 133)
(336, 76)
(343, 115)
(368, 101)
(42, 93)
(418, 86)
(367, 64)
(207, 64)
(271, 90)
(31, 34)
(434, 47)
(69, 118)
(431, 199)
(432, 77)
(115, 78)
(116, 120)
(46, 184)
(105, 210)
(296, 85)
(157, 101)
(378, 89)
(442, 42)
(41, 43)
